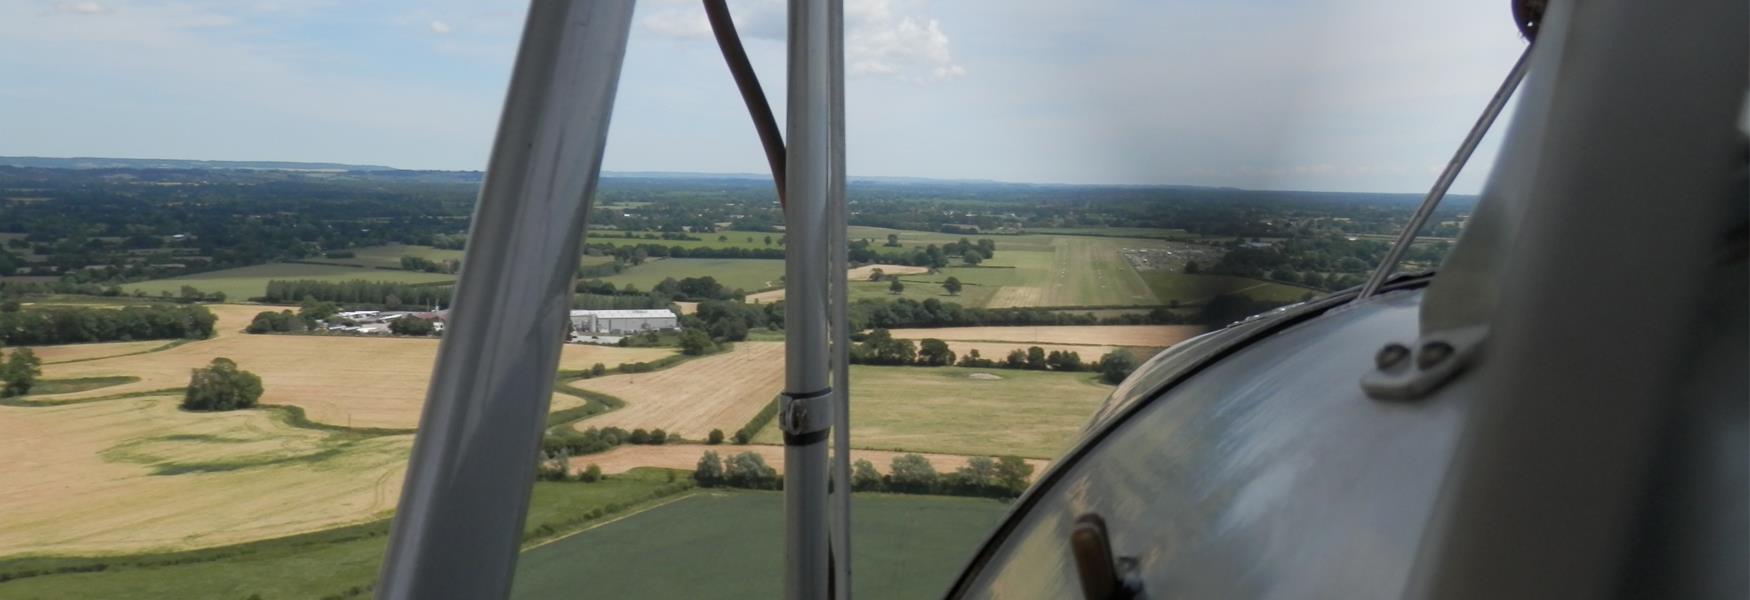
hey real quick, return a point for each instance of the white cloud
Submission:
(908, 48)
(879, 39)
(440, 27)
(86, 7)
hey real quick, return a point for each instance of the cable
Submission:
(748, 83)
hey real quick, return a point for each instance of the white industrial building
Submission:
(623, 321)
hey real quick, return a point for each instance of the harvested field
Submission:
(140, 474)
(72, 352)
(721, 391)
(341, 380)
(686, 456)
(687, 308)
(1150, 336)
(947, 410)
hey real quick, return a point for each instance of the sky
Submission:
(1333, 95)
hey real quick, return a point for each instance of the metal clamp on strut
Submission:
(805, 418)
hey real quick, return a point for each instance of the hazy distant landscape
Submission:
(992, 320)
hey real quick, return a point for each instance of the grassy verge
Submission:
(337, 563)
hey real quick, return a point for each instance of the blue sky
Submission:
(1348, 95)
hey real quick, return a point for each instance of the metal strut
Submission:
(1444, 182)
(806, 407)
(459, 522)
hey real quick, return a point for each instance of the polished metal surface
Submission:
(1448, 175)
(459, 522)
(807, 569)
(1266, 474)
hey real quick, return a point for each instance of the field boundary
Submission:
(21, 402)
(171, 344)
(635, 510)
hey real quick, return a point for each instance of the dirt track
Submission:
(686, 456)
(720, 391)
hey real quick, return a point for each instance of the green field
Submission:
(1035, 414)
(729, 544)
(749, 274)
(242, 283)
(1195, 289)
(715, 544)
(389, 257)
(978, 284)
(313, 565)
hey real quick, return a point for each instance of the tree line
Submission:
(991, 477)
(879, 347)
(388, 294)
(78, 325)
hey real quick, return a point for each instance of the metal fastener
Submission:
(1433, 353)
(1391, 355)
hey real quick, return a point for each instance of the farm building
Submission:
(623, 321)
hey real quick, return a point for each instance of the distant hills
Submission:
(91, 162)
(325, 170)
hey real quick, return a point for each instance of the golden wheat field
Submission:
(720, 391)
(341, 380)
(140, 474)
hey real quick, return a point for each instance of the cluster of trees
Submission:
(75, 325)
(731, 321)
(1004, 477)
(744, 470)
(636, 253)
(420, 263)
(412, 325)
(593, 440)
(18, 372)
(221, 386)
(696, 343)
(558, 468)
(879, 347)
(310, 312)
(992, 477)
(932, 256)
(694, 288)
(387, 294)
